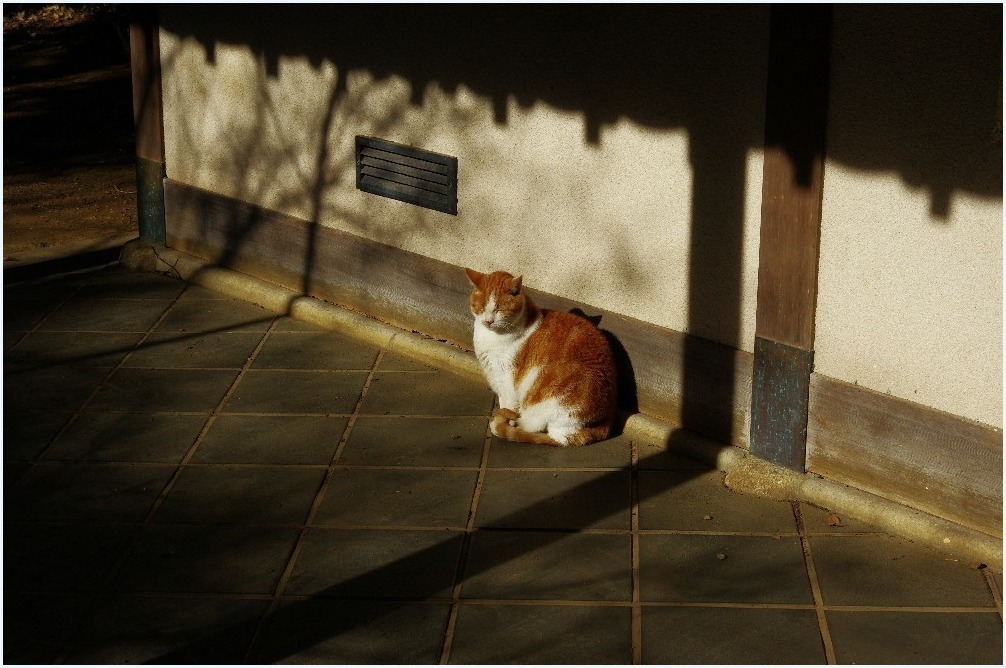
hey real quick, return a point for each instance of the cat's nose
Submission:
(489, 321)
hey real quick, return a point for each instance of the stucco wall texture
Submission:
(607, 212)
(910, 281)
(618, 163)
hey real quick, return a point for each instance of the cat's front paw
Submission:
(496, 427)
(506, 415)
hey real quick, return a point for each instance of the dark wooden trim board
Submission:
(429, 296)
(923, 458)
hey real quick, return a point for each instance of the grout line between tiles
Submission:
(287, 573)
(462, 562)
(909, 608)
(997, 595)
(815, 586)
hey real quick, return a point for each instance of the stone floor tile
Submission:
(206, 315)
(417, 498)
(165, 390)
(127, 437)
(296, 392)
(198, 292)
(819, 520)
(70, 491)
(27, 433)
(12, 336)
(23, 314)
(722, 569)
(730, 636)
(354, 632)
(105, 315)
(611, 453)
(376, 564)
(119, 283)
(542, 634)
(555, 500)
(285, 323)
(664, 456)
(242, 495)
(862, 637)
(95, 349)
(314, 350)
(50, 290)
(699, 501)
(884, 570)
(60, 388)
(127, 629)
(219, 350)
(207, 559)
(393, 362)
(61, 557)
(40, 630)
(394, 393)
(416, 441)
(272, 439)
(544, 565)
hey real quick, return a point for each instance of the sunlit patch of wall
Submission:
(602, 214)
(908, 304)
(910, 285)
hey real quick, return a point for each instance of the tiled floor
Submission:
(192, 479)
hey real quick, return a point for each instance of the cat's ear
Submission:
(475, 277)
(515, 286)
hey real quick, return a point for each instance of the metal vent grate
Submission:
(407, 174)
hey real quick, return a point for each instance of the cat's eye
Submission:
(514, 289)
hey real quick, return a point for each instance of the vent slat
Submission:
(407, 174)
(402, 159)
(405, 193)
(406, 180)
(399, 168)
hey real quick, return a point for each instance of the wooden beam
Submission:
(144, 50)
(148, 116)
(793, 175)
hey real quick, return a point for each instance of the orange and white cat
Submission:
(554, 372)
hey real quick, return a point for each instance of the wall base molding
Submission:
(912, 454)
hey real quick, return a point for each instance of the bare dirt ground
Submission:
(69, 167)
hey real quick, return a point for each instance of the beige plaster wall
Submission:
(646, 203)
(910, 284)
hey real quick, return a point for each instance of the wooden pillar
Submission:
(795, 129)
(145, 56)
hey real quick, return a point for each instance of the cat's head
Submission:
(497, 300)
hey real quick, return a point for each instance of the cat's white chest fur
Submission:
(497, 353)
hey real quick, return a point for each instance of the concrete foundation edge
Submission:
(745, 474)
